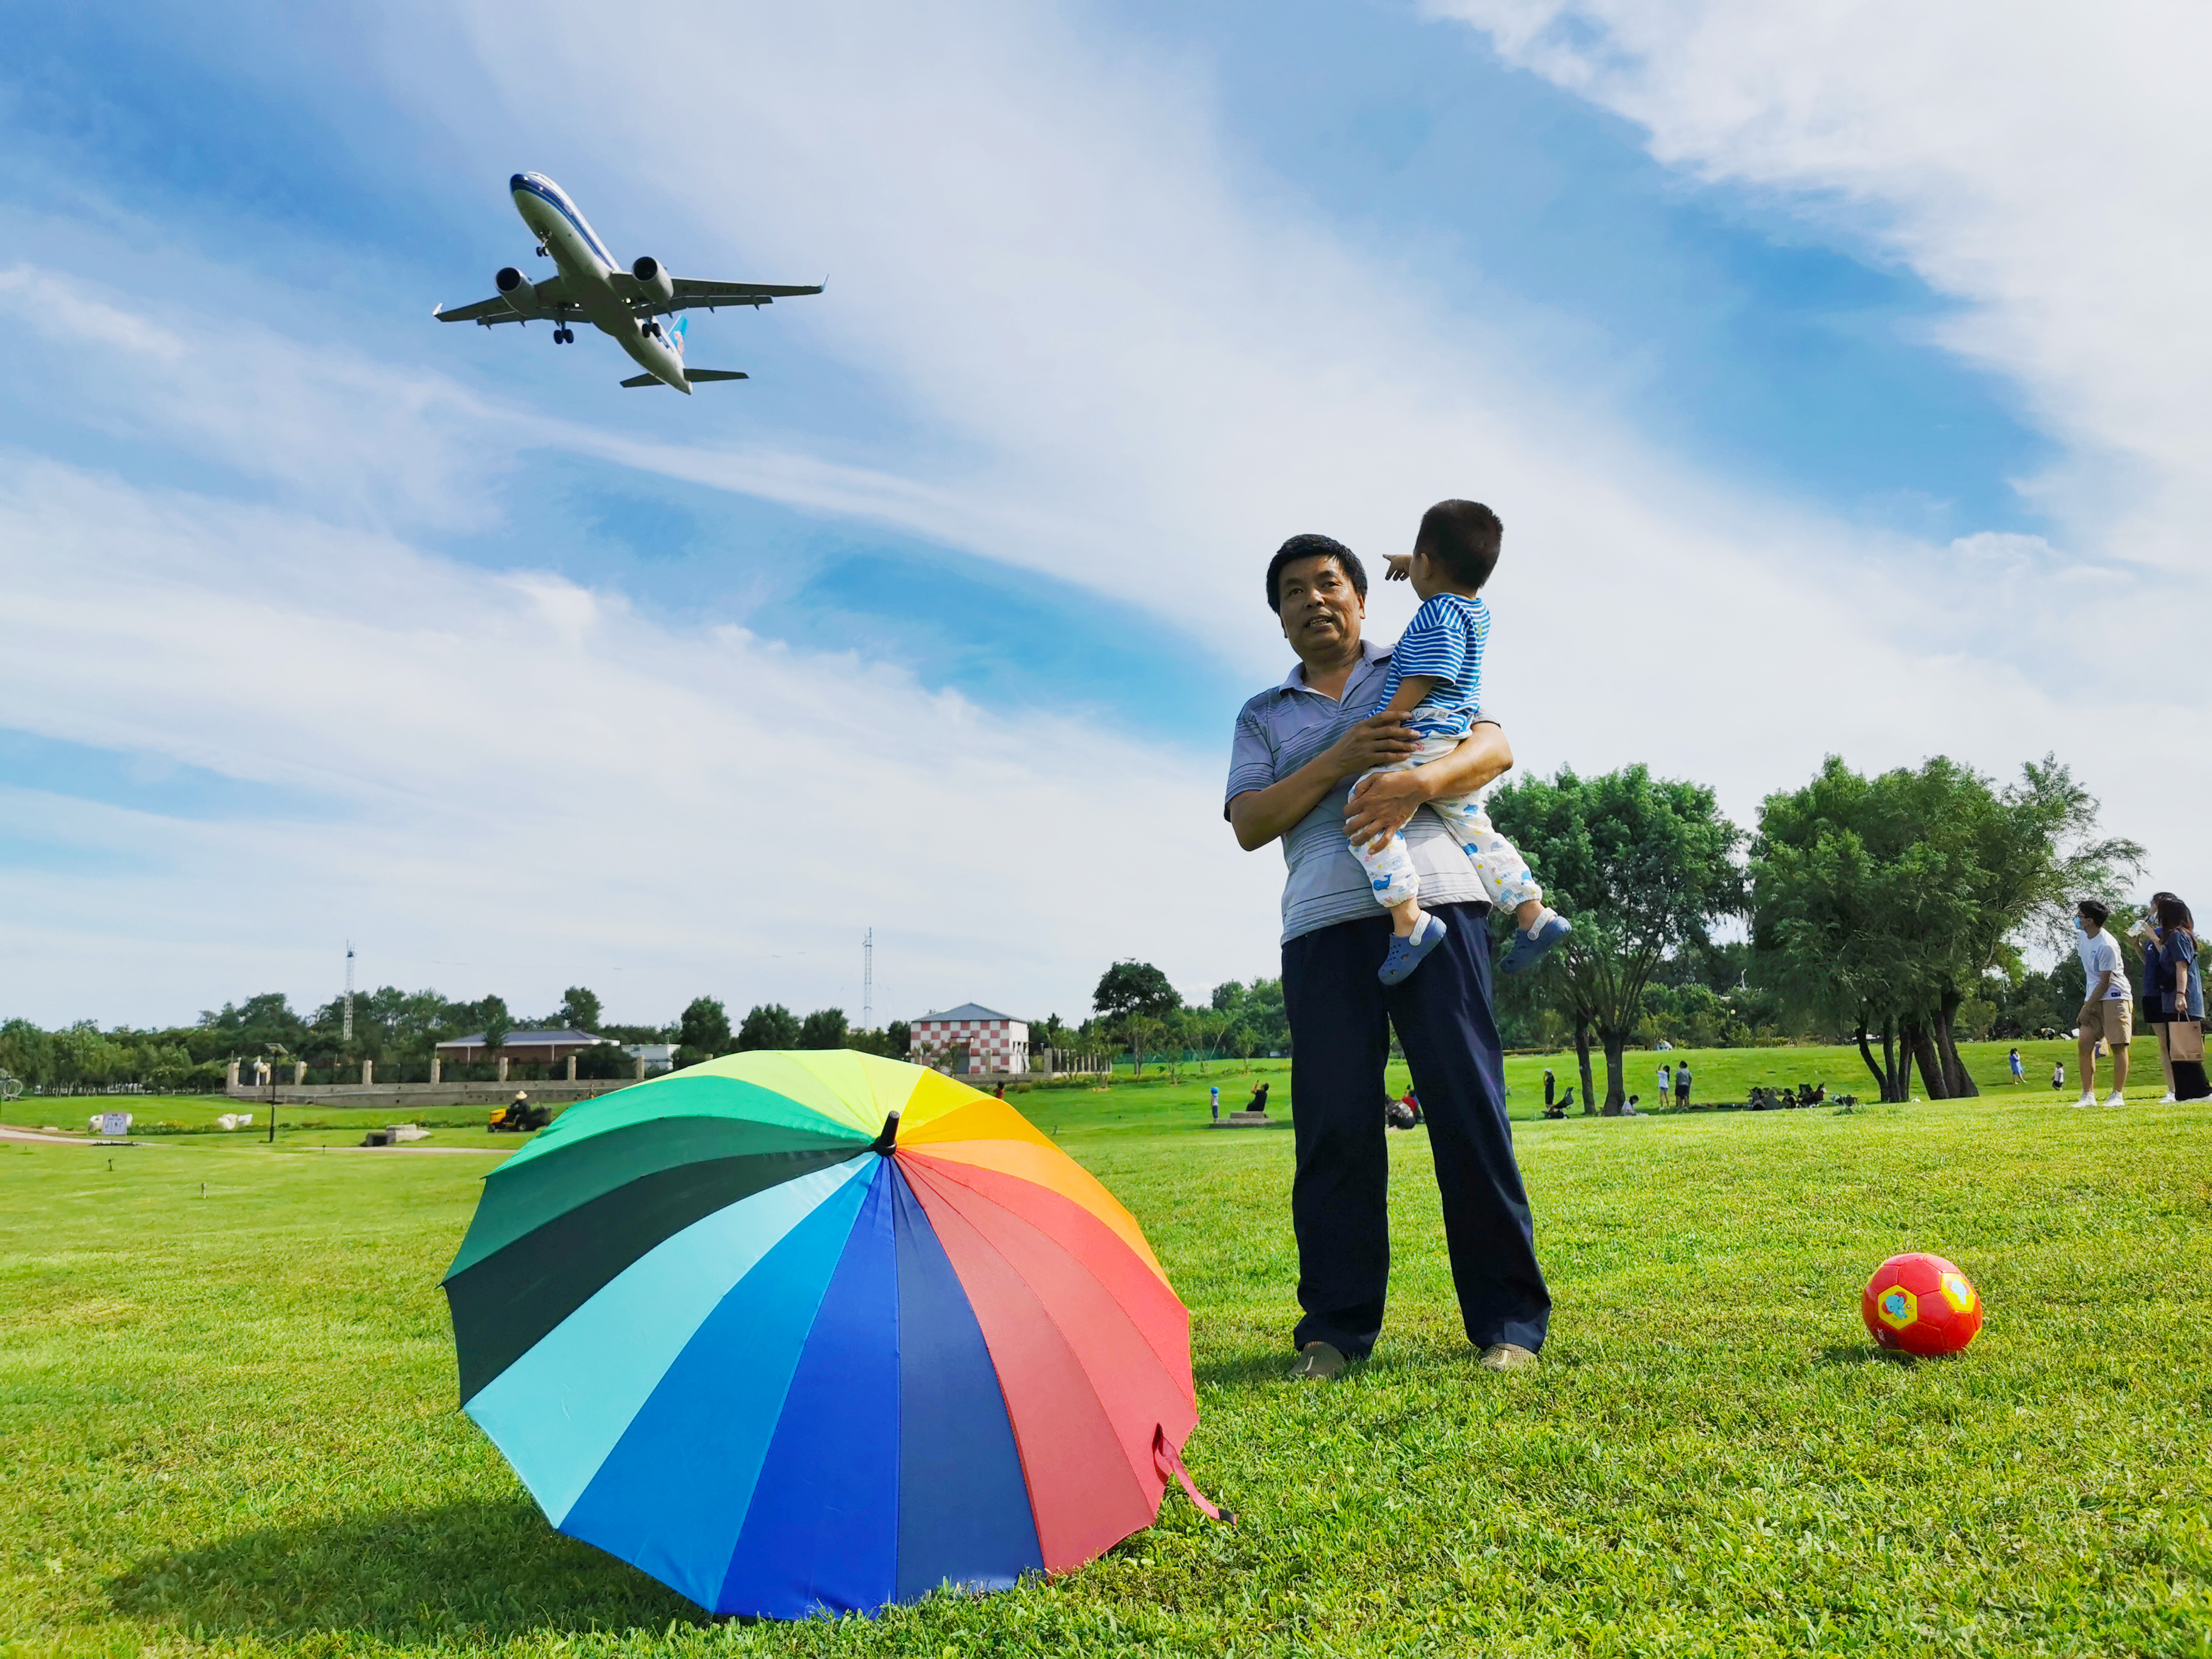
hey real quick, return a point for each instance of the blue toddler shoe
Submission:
(1407, 953)
(1532, 947)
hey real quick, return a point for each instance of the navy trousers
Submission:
(1340, 1017)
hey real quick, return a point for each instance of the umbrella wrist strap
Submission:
(1169, 1462)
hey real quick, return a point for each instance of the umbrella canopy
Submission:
(795, 1332)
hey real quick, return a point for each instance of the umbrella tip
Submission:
(884, 1141)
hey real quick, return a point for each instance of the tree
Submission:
(1885, 906)
(822, 1029)
(1641, 866)
(492, 1014)
(1242, 1042)
(704, 1030)
(1143, 1034)
(898, 1039)
(1207, 1028)
(769, 1025)
(1134, 987)
(1257, 1007)
(580, 1009)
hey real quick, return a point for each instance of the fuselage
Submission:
(595, 283)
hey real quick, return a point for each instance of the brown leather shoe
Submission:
(1318, 1362)
(1506, 1356)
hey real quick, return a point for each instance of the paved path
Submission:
(9, 1132)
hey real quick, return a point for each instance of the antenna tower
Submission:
(868, 981)
(348, 992)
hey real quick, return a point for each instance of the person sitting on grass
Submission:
(1435, 683)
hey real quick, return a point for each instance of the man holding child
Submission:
(1299, 746)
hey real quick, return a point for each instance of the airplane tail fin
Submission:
(676, 336)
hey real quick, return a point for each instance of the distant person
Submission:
(2058, 1074)
(1214, 1093)
(2019, 1071)
(1665, 1081)
(1259, 1101)
(1551, 1087)
(1629, 1111)
(2107, 1011)
(2179, 1000)
(1682, 1084)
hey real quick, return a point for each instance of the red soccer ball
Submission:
(1921, 1304)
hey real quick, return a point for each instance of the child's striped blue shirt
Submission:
(1445, 640)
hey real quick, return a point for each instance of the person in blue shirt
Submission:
(1435, 683)
(2174, 991)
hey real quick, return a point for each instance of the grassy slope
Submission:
(226, 1422)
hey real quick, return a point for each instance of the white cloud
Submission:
(2048, 164)
(527, 778)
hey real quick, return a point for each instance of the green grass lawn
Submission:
(227, 1417)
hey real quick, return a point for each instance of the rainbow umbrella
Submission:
(798, 1332)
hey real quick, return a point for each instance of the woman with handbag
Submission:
(2181, 1001)
(2153, 1018)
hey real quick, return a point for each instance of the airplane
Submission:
(588, 283)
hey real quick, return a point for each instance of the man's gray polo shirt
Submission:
(1278, 733)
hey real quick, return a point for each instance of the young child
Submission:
(1436, 680)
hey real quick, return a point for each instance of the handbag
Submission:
(2185, 1040)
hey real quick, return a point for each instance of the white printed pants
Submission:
(1504, 874)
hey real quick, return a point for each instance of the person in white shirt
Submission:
(2108, 1009)
(1665, 1081)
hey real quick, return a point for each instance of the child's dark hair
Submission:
(1463, 536)
(1313, 547)
(2096, 910)
(2173, 913)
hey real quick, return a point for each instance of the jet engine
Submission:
(653, 280)
(517, 290)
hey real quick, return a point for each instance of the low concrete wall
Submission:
(427, 1093)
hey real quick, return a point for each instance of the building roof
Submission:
(524, 1040)
(968, 1010)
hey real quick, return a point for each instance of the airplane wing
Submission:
(551, 293)
(694, 293)
(487, 312)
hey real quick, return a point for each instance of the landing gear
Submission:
(564, 336)
(544, 252)
(653, 330)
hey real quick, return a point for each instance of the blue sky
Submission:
(993, 486)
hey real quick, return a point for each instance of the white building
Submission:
(969, 1040)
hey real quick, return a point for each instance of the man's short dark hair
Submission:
(1464, 537)
(2096, 909)
(1313, 547)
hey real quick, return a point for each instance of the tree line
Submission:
(1894, 913)
(399, 1030)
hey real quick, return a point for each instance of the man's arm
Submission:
(1385, 804)
(1260, 816)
